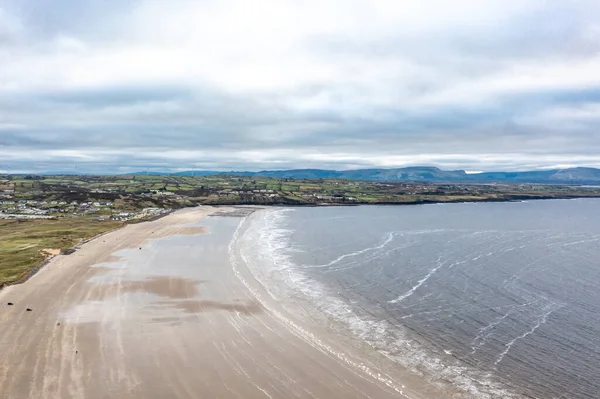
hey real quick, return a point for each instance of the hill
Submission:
(420, 174)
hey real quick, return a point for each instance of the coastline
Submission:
(399, 203)
(298, 246)
(314, 311)
(329, 335)
(149, 322)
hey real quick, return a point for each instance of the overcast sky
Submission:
(125, 85)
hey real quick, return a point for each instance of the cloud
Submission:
(480, 85)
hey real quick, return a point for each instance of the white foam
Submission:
(419, 284)
(299, 331)
(485, 332)
(389, 237)
(265, 250)
(541, 320)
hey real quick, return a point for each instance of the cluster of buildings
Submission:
(261, 193)
(22, 210)
(144, 213)
(42, 208)
(324, 197)
(271, 194)
(32, 209)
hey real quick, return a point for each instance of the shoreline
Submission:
(392, 203)
(445, 343)
(153, 323)
(333, 337)
(340, 338)
(35, 269)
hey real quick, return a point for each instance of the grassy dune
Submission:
(22, 242)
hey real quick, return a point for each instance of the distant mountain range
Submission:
(420, 174)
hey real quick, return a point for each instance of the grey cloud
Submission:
(556, 30)
(241, 124)
(143, 125)
(113, 96)
(45, 18)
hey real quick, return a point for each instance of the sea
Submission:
(500, 300)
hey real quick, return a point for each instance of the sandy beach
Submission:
(143, 313)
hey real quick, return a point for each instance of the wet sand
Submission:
(124, 317)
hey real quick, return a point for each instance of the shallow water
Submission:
(500, 299)
(164, 277)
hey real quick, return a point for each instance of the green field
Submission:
(22, 241)
(78, 202)
(137, 191)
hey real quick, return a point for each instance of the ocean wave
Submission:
(295, 328)
(389, 237)
(267, 251)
